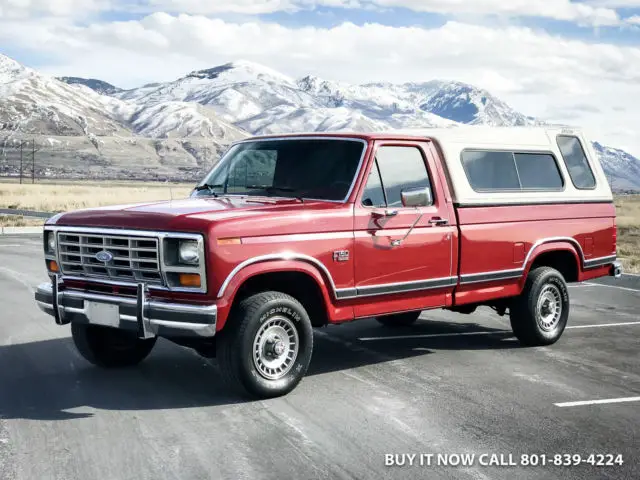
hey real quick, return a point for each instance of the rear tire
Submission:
(265, 348)
(539, 315)
(109, 347)
(399, 320)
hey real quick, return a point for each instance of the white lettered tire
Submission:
(539, 315)
(266, 346)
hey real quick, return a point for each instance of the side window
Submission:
(577, 163)
(490, 170)
(500, 171)
(373, 194)
(538, 171)
(401, 168)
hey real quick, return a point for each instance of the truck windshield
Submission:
(322, 169)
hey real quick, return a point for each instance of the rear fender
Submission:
(571, 246)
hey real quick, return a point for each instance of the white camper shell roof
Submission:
(453, 141)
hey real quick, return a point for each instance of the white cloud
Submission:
(540, 74)
(207, 7)
(455, 47)
(635, 20)
(596, 13)
(556, 9)
(16, 9)
(615, 3)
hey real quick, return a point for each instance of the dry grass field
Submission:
(628, 212)
(20, 221)
(46, 197)
(74, 195)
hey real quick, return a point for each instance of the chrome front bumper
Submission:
(150, 318)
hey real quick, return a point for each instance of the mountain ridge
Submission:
(227, 102)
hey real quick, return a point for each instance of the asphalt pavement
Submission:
(451, 385)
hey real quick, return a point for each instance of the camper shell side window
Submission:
(512, 171)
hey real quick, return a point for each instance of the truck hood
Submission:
(190, 215)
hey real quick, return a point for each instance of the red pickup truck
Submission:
(293, 232)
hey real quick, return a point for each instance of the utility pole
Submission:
(33, 161)
(21, 145)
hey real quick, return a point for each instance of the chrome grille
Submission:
(134, 258)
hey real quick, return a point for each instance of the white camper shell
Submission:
(519, 165)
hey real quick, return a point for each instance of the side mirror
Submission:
(416, 197)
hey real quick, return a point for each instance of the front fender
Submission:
(237, 278)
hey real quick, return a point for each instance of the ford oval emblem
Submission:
(104, 256)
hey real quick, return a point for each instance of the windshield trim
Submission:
(295, 138)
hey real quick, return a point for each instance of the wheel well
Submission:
(562, 260)
(299, 285)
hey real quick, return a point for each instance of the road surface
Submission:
(457, 385)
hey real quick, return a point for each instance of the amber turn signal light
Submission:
(229, 241)
(53, 266)
(189, 280)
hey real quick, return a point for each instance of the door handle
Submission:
(385, 213)
(438, 221)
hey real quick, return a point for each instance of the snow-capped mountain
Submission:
(465, 104)
(182, 119)
(437, 101)
(99, 86)
(622, 169)
(262, 101)
(219, 105)
(389, 106)
(81, 131)
(31, 102)
(287, 118)
(34, 103)
(236, 91)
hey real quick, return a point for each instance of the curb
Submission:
(19, 230)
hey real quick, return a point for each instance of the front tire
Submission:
(266, 347)
(399, 320)
(109, 347)
(539, 315)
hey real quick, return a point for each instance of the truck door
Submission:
(403, 233)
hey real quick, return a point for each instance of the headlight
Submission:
(188, 252)
(51, 242)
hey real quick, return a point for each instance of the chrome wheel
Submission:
(549, 308)
(275, 348)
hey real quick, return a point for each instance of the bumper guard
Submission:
(149, 318)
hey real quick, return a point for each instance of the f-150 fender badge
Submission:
(341, 256)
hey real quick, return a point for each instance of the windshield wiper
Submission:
(271, 190)
(208, 187)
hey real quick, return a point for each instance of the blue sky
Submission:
(399, 17)
(570, 61)
(326, 17)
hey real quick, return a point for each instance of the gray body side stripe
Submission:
(427, 284)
